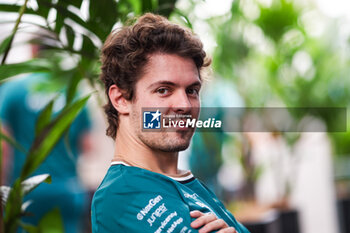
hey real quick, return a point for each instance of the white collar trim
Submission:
(119, 162)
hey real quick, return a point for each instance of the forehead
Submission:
(169, 67)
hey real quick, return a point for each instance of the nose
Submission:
(181, 102)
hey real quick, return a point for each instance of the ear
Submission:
(117, 99)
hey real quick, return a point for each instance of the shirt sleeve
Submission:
(149, 212)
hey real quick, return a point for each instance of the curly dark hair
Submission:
(125, 52)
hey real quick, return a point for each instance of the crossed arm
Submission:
(209, 222)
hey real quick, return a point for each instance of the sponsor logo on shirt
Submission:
(151, 203)
(175, 223)
(165, 222)
(191, 196)
(157, 213)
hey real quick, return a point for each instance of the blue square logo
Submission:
(151, 120)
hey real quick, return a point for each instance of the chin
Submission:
(172, 142)
(175, 147)
(180, 140)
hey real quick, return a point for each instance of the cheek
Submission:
(144, 100)
(195, 112)
(195, 103)
(157, 102)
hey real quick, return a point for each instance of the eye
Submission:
(163, 90)
(192, 91)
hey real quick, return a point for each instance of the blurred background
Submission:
(266, 53)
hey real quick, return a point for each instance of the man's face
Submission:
(171, 83)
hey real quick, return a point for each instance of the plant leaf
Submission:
(5, 43)
(73, 85)
(25, 205)
(13, 142)
(76, 3)
(52, 222)
(44, 117)
(13, 208)
(5, 191)
(59, 23)
(31, 66)
(70, 34)
(147, 6)
(166, 7)
(103, 15)
(65, 13)
(29, 228)
(14, 8)
(31, 183)
(43, 9)
(40, 149)
(184, 18)
(48, 138)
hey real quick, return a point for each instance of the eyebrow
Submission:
(168, 83)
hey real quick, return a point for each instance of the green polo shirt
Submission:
(134, 200)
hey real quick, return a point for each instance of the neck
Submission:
(133, 151)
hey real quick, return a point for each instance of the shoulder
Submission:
(133, 195)
(123, 181)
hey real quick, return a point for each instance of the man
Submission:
(153, 64)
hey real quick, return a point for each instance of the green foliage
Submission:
(232, 50)
(51, 222)
(31, 183)
(48, 134)
(12, 199)
(5, 44)
(27, 186)
(31, 66)
(103, 15)
(272, 76)
(48, 137)
(9, 40)
(12, 142)
(44, 118)
(278, 18)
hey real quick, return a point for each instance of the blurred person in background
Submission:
(21, 101)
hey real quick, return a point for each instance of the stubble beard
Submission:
(163, 140)
(166, 141)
